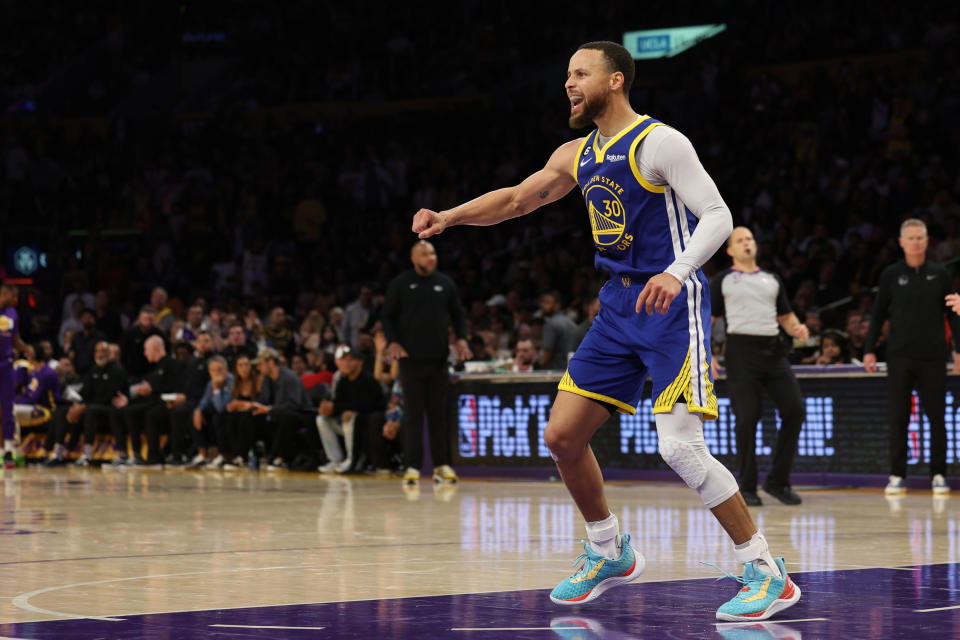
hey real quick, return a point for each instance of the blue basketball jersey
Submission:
(638, 228)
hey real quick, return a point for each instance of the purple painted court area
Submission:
(861, 604)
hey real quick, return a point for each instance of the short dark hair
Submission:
(618, 59)
(39, 351)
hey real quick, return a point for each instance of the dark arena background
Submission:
(240, 179)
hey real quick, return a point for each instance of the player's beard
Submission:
(592, 107)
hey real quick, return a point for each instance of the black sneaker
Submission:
(784, 494)
(751, 498)
(55, 462)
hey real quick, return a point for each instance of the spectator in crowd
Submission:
(243, 427)
(284, 400)
(386, 449)
(311, 331)
(131, 347)
(383, 372)
(94, 409)
(145, 409)
(189, 390)
(237, 346)
(73, 324)
(163, 314)
(182, 351)
(911, 294)
(211, 412)
(526, 356)
(559, 333)
(357, 405)
(592, 308)
(357, 314)
(195, 324)
(38, 397)
(83, 342)
(298, 364)
(277, 333)
(337, 324)
(320, 365)
(365, 350)
(109, 321)
(832, 348)
(855, 331)
(420, 308)
(329, 340)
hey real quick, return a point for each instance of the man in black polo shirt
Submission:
(911, 293)
(754, 305)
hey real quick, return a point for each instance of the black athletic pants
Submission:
(295, 431)
(94, 417)
(930, 379)
(754, 364)
(425, 384)
(150, 416)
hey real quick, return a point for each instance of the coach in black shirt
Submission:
(754, 304)
(419, 308)
(911, 294)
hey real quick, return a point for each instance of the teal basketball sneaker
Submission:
(761, 596)
(595, 573)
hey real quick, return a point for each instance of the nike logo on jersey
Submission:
(931, 277)
(413, 285)
(585, 162)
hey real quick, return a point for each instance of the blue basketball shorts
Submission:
(622, 347)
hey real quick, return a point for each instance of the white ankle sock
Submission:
(8, 446)
(88, 450)
(757, 551)
(604, 536)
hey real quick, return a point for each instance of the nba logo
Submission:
(467, 425)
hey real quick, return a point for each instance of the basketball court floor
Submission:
(183, 555)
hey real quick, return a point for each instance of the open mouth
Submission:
(575, 102)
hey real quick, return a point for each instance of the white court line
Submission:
(778, 621)
(22, 601)
(254, 626)
(957, 606)
(513, 628)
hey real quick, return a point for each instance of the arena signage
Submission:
(666, 43)
(845, 429)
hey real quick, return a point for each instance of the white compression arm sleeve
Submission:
(667, 157)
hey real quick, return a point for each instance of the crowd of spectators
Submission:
(279, 227)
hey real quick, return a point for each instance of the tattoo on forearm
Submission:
(544, 194)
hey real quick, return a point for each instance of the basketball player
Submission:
(656, 217)
(9, 342)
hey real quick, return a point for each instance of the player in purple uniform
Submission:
(9, 343)
(34, 405)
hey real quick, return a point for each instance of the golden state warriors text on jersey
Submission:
(638, 228)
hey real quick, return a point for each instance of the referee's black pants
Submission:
(425, 385)
(753, 364)
(930, 379)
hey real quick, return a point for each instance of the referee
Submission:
(419, 307)
(754, 305)
(911, 294)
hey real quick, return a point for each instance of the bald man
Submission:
(420, 306)
(146, 409)
(754, 304)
